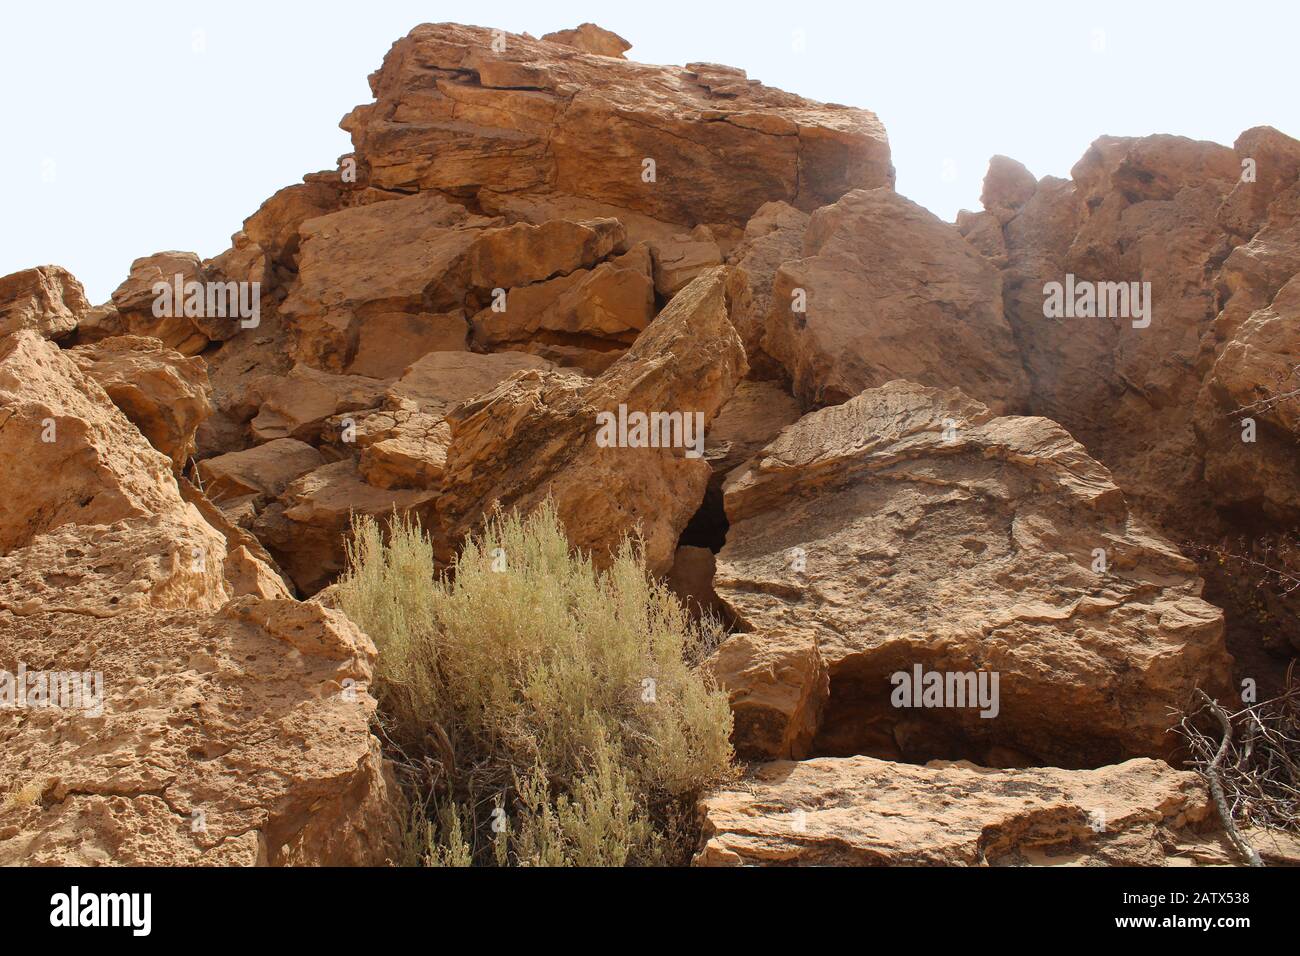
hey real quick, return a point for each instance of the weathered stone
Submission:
(886, 290)
(263, 469)
(591, 39)
(858, 811)
(162, 392)
(47, 299)
(454, 112)
(306, 529)
(911, 528)
(535, 436)
(298, 405)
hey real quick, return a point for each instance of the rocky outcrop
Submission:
(910, 528)
(180, 727)
(466, 110)
(1209, 236)
(549, 273)
(162, 392)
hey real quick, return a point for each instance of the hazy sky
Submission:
(133, 127)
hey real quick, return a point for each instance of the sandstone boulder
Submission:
(591, 39)
(441, 380)
(456, 112)
(162, 392)
(298, 405)
(306, 529)
(884, 289)
(265, 469)
(65, 460)
(910, 528)
(47, 299)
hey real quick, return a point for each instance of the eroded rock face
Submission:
(1216, 246)
(859, 811)
(162, 392)
(531, 116)
(47, 299)
(108, 572)
(535, 435)
(884, 289)
(67, 461)
(911, 527)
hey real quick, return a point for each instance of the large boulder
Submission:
(467, 109)
(163, 393)
(47, 299)
(886, 290)
(910, 528)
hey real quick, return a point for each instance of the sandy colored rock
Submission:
(388, 344)
(910, 527)
(98, 323)
(440, 380)
(306, 529)
(263, 469)
(413, 454)
(778, 686)
(135, 301)
(754, 415)
(983, 231)
(1257, 378)
(691, 579)
(210, 731)
(890, 291)
(591, 39)
(612, 302)
(535, 436)
(1008, 185)
(533, 117)
(679, 260)
(69, 455)
(47, 299)
(858, 811)
(403, 256)
(298, 405)
(276, 770)
(524, 253)
(162, 392)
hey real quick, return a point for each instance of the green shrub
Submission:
(549, 713)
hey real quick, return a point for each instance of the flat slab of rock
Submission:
(859, 811)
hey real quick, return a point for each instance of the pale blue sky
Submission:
(122, 139)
